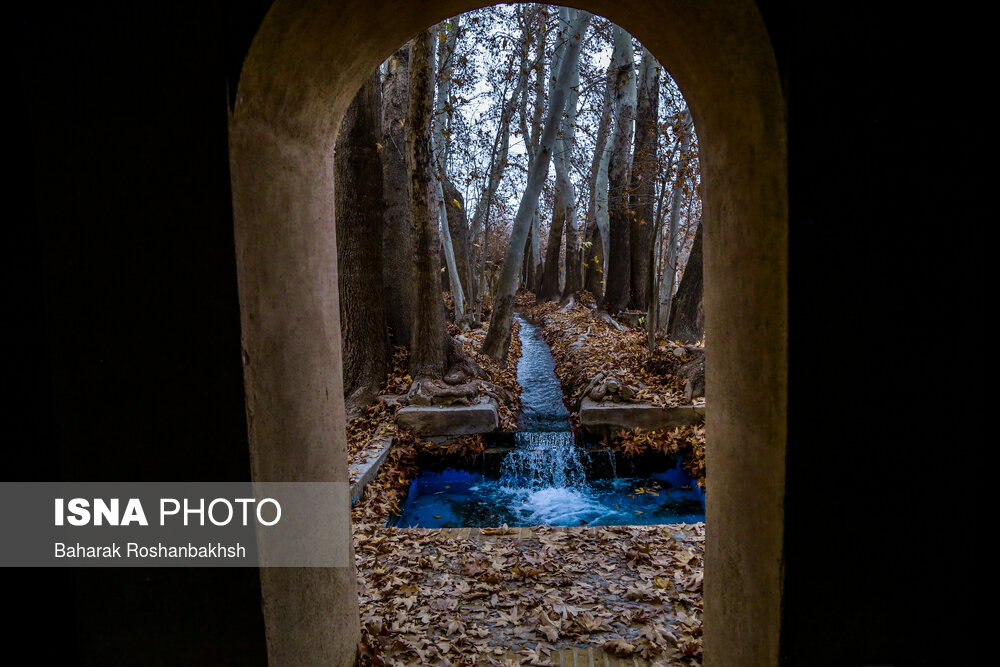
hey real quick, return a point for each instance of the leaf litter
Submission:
(430, 597)
(585, 347)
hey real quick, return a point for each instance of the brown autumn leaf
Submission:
(428, 597)
(619, 647)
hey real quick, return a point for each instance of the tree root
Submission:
(692, 372)
(427, 391)
(603, 315)
(461, 384)
(461, 367)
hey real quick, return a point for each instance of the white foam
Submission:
(555, 505)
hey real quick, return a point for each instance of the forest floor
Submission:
(586, 347)
(523, 596)
(366, 434)
(519, 596)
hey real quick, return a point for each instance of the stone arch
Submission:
(306, 61)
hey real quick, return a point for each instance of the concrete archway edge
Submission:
(306, 62)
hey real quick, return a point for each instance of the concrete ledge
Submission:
(449, 420)
(602, 417)
(367, 471)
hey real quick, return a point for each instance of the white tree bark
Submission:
(597, 213)
(670, 262)
(616, 294)
(498, 338)
(441, 141)
(498, 157)
(532, 135)
(553, 273)
(457, 292)
(562, 161)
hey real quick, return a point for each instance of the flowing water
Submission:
(543, 479)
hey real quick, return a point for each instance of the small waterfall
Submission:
(546, 456)
(542, 460)
(543, 479)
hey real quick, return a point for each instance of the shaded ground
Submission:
(546, 595)
(586, 347)
(365, 433)
(522, 596)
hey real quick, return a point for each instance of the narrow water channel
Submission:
(543, 479)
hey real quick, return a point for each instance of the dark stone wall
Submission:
(124, 363)
(885, 291)
(123, 305)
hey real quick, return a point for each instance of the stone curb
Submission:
(368, 470)
(595, 416)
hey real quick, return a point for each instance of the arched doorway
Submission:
(306, 62)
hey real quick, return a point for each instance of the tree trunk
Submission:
(483, 285)
(397, 245)
(497, 340)
(498, 163)
(548, 288)
(594, 252)
(642, 184)
(673, 247)
(536, 252)
(532, 137)
(455, 283)
(458, 225)
(428, 350)
(541, 77)
(564, 210)
(573, 270)
(442, 140)
(501, 149)
(616, 295)
(358, 205)
(448, 39)
(657, 253)
(574, 267)
(687, 318)
(597, 264)
(594, 268)
(529, 263)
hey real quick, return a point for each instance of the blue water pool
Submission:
(544, 480)
(454, 498)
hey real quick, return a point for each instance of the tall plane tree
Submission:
(434, 356)
(673, 226)
(642, 184)
(397, 246)
(532, 138)
(687, 317)
(597, 213)
(442, 136)
(428, 349)
(497, 340)
(500, 151)
(564, 210)
(616, 295)
(358, 208)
